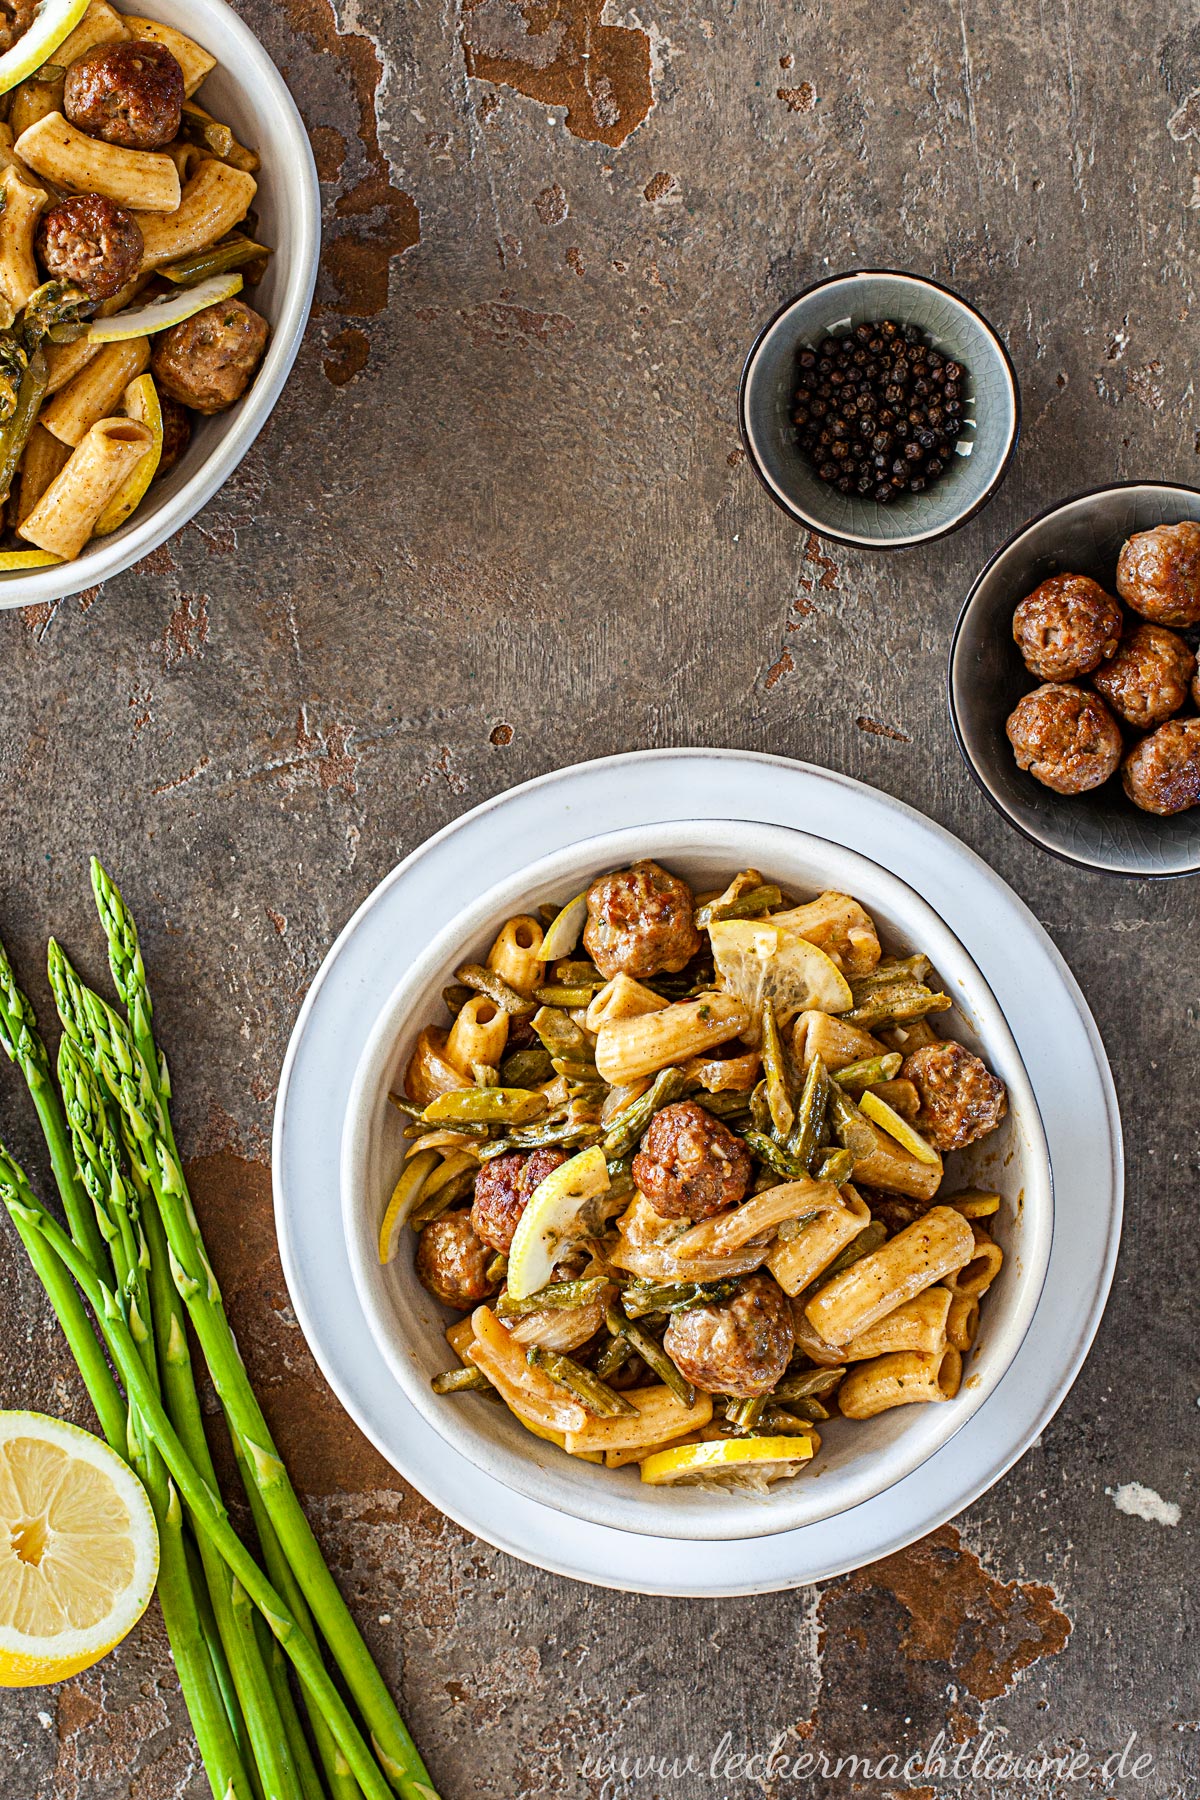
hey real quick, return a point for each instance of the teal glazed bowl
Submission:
(991, 414)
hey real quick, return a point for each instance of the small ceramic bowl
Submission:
(856, 1460)
(992, 412)
(1083, 536)
(247, 92)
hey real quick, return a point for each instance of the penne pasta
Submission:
(629, 1048)
(734, 1229)
(142, 180)
(100, 24)
(906, 1378)
(44, 458)
(63, 518)
(962, 1320)
(215, 199)
(20, 208)
(621, 998)
(195, 62)
(514, 956)
(64, 361)
(478, 1036)
(96, 391)
(879, 1161)
(920, 1324)
(660, 1417)
(876, 1284)
(797, 1261)
(977, 1275)
(836, 1043)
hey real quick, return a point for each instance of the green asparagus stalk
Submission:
(131, 1079)
(207, 1512)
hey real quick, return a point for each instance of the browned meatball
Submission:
(1158, 573)
(640, 922)
(128, 93)
(16, 16)
(177, 432)
(91, 241)
(502, 1190)
(690, 1166)
(452, 1263)
(1162, 773)
(1147, 680)
(207, 361)
(737, 1346)
(1066, 627)
(1065, 737)
(961, 1099)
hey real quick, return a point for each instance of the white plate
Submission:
(858, 1459)
(1049, 1019)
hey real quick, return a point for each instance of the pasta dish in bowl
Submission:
(690, 1161)
(159, 225)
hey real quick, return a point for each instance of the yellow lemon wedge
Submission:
(167, 310)
(27, 559)
(758, 960)
(559, 1211)
(53, 21)
(405, 1195)
(564, 930)
(141, 403)
(766, 1458)
(890, 1121)
(78, 1550)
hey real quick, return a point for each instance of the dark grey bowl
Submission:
(1083, 536)
(992, 415)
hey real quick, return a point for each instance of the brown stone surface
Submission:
(499, 522)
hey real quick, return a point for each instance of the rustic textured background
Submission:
(500, 521)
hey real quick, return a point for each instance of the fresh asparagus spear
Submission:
(208, 1515)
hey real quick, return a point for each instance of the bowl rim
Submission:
(1114, 870)
(797, 512)
(295, 168)
(378, 1047)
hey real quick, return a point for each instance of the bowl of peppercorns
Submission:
(879, 409)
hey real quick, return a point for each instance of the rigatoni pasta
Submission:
(659, 1195)
(63, 518)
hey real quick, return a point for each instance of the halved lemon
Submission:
(889, 1120)
(767, 1458)
(758, 960)
(53, 21)
(563, 932)
(558, 1212)
(78, 1550)
(169, 309)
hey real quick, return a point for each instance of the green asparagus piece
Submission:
(108, 1043)
(749, 905)
(810, 1114)
(210, 1519)
(806, 1384)
(871, 1069)
(558, 1293)
(627, 1126)
(868, 1239)
(233, 253)
(887, 973)
(744, 1415)
(460, 1381)
(561, 1036)
(593, 1394)
(526, 1068)
(836, 1166)
(652, 1354)
(775, 1156)
(556, 994)
(486, 981)
(780, 1421)
(896, 1004)
(485, 1106)
(642, 1297)
(779, 1100)
(615, 1354)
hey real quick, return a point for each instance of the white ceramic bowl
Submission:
(248, 93)
(858, 1460)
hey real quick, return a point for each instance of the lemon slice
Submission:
(557, 1213)
(167, 310)
(890, 1121)
(27, 559)
(405, 1195)
(767, 1458)
(78, 1550)
(758, 961)
(564, 930)
(53, 21)
(141, 403)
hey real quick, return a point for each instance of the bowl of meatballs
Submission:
(1073, 680)
(693, 1184)
(161, 228)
